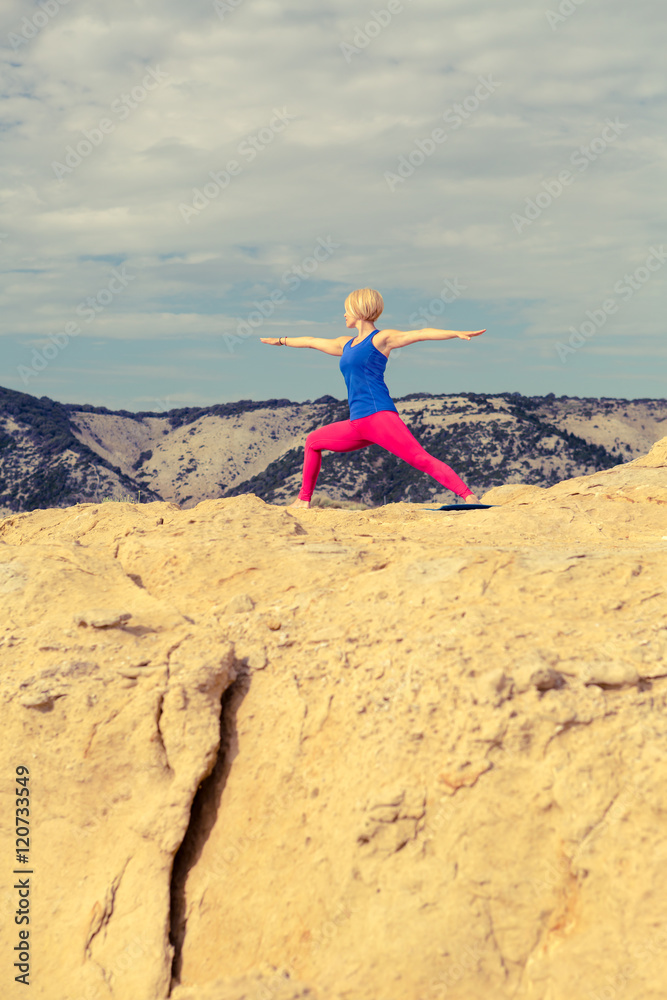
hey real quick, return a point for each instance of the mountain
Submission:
(43, 463)
(54, 454)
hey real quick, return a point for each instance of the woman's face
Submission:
(350, 320)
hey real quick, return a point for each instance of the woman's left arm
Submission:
(401, 338)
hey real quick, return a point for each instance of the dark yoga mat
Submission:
(464, 506)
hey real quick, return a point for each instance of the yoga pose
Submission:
(373, 417)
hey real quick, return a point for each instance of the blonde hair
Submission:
(365, 303)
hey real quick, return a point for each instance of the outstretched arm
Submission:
(401, 338)
(328, 346)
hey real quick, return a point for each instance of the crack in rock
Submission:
(203, 815)
(102, 913)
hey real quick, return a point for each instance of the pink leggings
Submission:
(384, 428)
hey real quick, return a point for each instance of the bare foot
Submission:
(299, 503)
(472, 499)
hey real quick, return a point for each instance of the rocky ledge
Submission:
(341, 755)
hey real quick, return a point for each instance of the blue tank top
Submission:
(363, 370)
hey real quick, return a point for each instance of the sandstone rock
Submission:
(113, 767)
(547, 680)
(270, 985)
(495, 686)
(441, 776)
(656, 458)
(512, 493)
(99, 618)
(609, 674)
(240, 604)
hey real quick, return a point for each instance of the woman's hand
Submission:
(467, 334)
(273, 341)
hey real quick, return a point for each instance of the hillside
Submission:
(339, 755)
(489, 440)
(43, 463)
(54, 454)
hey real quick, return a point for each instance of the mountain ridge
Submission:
(59, 454)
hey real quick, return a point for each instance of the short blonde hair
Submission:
(365, 303)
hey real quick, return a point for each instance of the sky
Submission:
(178, 180)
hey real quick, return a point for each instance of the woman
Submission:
(373, 417)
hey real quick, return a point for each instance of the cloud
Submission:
(217, 84)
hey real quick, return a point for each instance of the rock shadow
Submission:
(203, 815)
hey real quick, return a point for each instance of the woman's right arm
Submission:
(328, 346)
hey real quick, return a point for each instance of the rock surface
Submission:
(342, 755)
